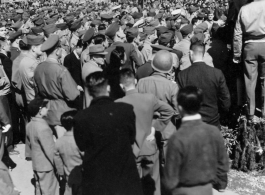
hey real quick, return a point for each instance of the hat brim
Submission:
(98, 53)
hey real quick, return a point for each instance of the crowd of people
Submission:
(124, 98)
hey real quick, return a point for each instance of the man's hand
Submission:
(79, 88)
(237, 60)
(151, 137)
(6, 128)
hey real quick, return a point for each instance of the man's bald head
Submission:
(162, 61)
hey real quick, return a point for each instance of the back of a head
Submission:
(127, 77)
(162, 61)
(96, 84)
(190, 99)
(198, 48)
(23, 46)
(67, 119)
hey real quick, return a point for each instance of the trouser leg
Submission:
(27, 143)
(46, 183)
(250, 75)
(148, 168)
(1, 145)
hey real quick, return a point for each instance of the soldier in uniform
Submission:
(26, 70)
(86, 44)
(55, 83)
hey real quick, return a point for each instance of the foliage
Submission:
(230, 138)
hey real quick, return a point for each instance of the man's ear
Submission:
(108, 89)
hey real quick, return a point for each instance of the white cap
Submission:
(176, 12)
(139, 22)
(116, 7)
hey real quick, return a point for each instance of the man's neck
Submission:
(53, 56)
(33, 55)
(129, 88)
(198, 60)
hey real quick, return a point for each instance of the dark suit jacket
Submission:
(145, 105)
(213, 84)
(196, 156)
(105, 132)
(7, 64)
(74, 67)
(130, 53)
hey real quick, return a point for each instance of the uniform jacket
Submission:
(55, 83)
(144, 70)
(14, 53)
(74, 67)
(249, 25)
(165, 90)
(130, 53)
(41, 142)
(17, 82)
(26, 82)
(213, 84)
(144, 106)
(184, 46)
(147, 51)
(6, 183)
(196, 156)
(67, 155)
(105, 132)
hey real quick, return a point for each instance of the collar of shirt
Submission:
(197, 61)
(159, 74)
(132, 91)
(147, 42)
(39, 119)
(93, 62)
(191, 118)
(69, 133)
(76, 55)
(51, 59)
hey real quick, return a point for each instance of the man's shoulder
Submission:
(27, 61)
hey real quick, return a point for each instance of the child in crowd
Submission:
(40, 137)
(67, 157)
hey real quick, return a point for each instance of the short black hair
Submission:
(190, 98)
(198, 47)
(96, 83)
(24, 46)
(79, 43)
(67, 119)
(194, 20)
(99, 39)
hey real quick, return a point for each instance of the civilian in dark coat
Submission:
(130, 54)
(73, 64)
(211, 81)
(106, 132)
(196, 157)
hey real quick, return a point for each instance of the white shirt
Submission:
(76, 55)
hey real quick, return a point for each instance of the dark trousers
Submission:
(254, 65)
(148, 168)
